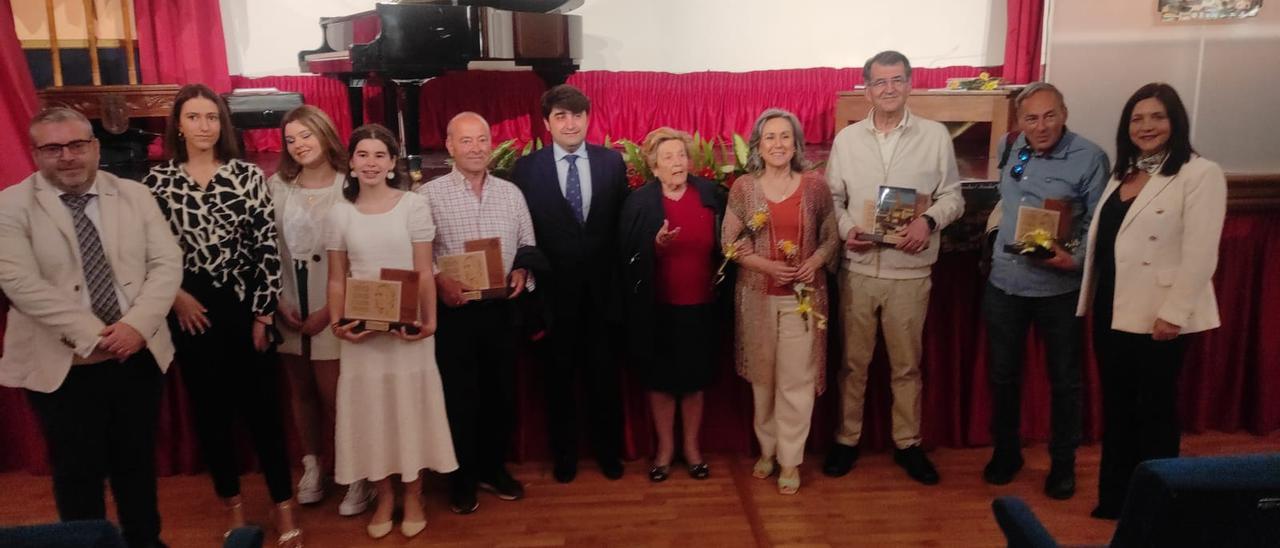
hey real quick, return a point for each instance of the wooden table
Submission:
(968, 107)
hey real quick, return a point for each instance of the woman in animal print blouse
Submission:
(220, 209)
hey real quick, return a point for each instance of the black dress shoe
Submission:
(917, 465)
(503, 486)
(462, 493)
(1061, 483)
(463, 502)
(840, 460)
(565, 470)
(659, 472)
(699, 471)
(1002, 467)
(611, 467)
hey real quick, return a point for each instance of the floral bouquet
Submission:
(984, 82)
(804, 294)
(751, 227)
(1037, 244)
(503, 158)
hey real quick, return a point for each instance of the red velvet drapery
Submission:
(181, 42)
(1231, 380)
(1022, 41)
(624, 104)
(17, 103)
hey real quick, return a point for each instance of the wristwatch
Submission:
(933, 225)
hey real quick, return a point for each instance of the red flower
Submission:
(635, 181)
(707, 173)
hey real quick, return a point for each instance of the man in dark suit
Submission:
(575, 191)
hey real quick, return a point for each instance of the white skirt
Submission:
(391, 415)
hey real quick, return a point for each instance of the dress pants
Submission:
(1008, 318)
(100, 425)
(784, 408)
(896, 308)
(476, 353)
(580, 348)
(1139, 405)
(226, 379)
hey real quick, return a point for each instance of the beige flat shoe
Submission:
(764, 468)
(789, 485)
(379, 530)
(411, 529)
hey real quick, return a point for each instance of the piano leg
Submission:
(409, 95)
(355, 100)
(390, 114)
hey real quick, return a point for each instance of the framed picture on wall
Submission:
(1207, 10)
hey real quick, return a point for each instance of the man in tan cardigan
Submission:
(882, 284)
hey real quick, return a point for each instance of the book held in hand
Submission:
(890, 214)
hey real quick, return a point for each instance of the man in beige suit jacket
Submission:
(91, 270)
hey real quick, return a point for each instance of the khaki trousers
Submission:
(899, 306)
(783, 409)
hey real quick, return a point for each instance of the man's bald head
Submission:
(468, 143)
(466, 119)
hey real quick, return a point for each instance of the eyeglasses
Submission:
(896, 81)
(1024, 156)
(54, 150)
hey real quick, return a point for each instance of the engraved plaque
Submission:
(384, 304)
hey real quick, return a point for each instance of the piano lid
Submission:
(535, 6)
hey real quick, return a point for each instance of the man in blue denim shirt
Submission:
(1047, 162)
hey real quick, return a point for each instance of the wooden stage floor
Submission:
(875, 505)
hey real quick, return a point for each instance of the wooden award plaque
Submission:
(479, 269)
(388, 303)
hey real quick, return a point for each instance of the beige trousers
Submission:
(784, 408)
(899, 307)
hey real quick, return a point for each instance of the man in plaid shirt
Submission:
(475, 343)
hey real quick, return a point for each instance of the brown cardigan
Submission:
(755, 336)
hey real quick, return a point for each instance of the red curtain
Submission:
(181, 42)
(630, 104)
(710, 103)
(1231, 380)
(17, 103)
(1022, 41)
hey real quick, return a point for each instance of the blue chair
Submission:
(1205, 501)
(70, 534)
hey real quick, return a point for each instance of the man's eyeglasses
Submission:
(54, 150)
(1024, 156)
(896, 81)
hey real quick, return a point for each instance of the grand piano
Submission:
(401, 44)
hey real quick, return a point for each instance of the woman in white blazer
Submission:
(1148, 277)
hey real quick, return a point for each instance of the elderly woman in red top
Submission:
(668, 239)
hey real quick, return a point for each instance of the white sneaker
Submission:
(311, 486)
(359, 495)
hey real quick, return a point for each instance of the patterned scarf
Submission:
(1150, 163)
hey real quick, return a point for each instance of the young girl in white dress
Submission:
(391, 414)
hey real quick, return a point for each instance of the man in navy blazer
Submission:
(575, 191)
